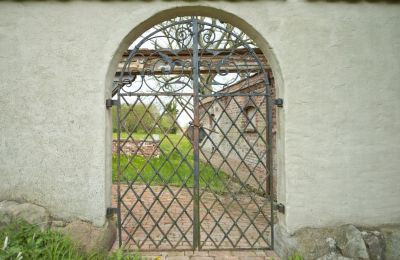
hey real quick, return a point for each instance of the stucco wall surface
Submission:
(336, 65)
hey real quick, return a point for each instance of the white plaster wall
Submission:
(337, 66)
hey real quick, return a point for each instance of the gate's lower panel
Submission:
(234, 223)
(173, 229)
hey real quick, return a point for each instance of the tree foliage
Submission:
(142, 118)
(168, 121)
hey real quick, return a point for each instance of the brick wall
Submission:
(237, 133)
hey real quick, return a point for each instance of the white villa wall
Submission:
(336, 65)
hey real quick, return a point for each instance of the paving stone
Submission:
(245, 253)
(151, 253)
(175, 253)
(271, 253)
(177, 258)
(197, 253)
(253, 258)
(227, 258)
(153, 257)
(220, 253)
(261, 253)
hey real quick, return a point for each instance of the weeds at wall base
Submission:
(21, 240)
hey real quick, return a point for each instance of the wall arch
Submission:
(202, 10)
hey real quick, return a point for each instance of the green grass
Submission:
(295, 256)
(169, 167)
(20, 240)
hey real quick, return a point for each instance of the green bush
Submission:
(21, 240)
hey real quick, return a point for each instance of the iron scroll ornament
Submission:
(162, 69)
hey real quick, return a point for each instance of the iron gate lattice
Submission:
(194, 140)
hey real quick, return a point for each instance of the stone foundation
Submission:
(101, 238)
(341, 242)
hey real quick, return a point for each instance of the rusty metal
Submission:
(178, 71)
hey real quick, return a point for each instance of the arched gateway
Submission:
(193, 148)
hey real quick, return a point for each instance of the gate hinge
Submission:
(279, 207)
(111, 211)
(279, 102)
(111, 102)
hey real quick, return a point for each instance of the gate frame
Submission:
(159, 16)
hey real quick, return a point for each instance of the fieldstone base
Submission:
(341, 242)
(31, 213)
(391, 234)
(88, 237)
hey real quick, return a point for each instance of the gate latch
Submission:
(279, 102)
(279, 207)
(111, 102)
(111, 211)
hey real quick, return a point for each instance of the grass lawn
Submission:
(169, 167)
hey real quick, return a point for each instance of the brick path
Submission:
(211, 255)
(176, 224)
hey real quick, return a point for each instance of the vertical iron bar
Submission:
(196, 122)
(269, 111)
(119, 167)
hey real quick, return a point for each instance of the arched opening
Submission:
(177, 88)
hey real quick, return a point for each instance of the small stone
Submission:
(58, 223)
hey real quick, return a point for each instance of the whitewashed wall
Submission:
(337, 66)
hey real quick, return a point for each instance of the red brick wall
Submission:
(244, 152)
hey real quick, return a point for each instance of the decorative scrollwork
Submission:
(163, 61)
(208, 36)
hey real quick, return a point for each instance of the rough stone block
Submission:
(31, 213)
(350, 242)
(101, 238)
(322, 243)
(392, 240)
(375, 244)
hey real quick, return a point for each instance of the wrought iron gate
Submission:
(194, 140)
